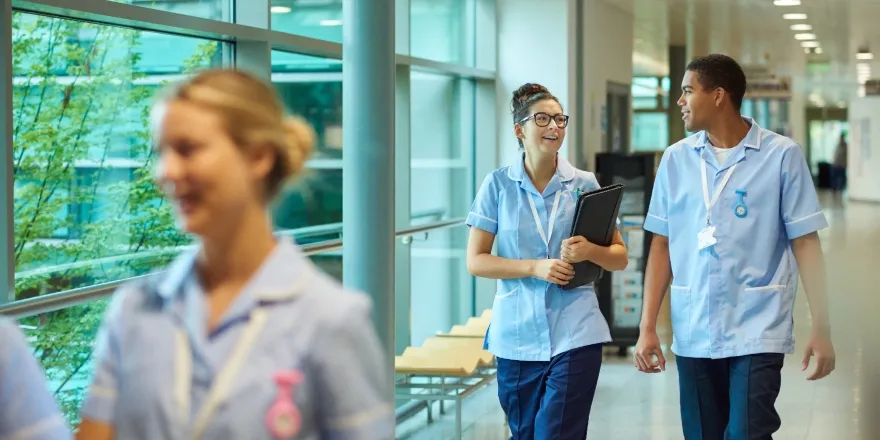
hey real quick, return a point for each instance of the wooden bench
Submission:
(447, 367)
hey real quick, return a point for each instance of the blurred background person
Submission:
(243, 337)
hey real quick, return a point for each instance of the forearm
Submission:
(658, 274)
(811, 265)
(611, 258)
(498, 268)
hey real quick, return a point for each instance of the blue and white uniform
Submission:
(27, 409)
(730, 226)
(538, 330)
(161, 375)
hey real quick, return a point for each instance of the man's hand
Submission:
(646, 350)
(819, 346)
(576, 249)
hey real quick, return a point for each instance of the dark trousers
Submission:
(550, 400)
(730, 399)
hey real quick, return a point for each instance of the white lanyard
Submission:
(710, 204)
(223, 381)
(546, 237)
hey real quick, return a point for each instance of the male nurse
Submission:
(735, 218)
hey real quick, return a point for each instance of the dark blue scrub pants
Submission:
(730, 399)
(550, 400)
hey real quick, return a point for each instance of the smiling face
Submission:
(542, 140)
(699, 106)
(208, 178)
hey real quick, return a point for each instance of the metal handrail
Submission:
(296, 234)
(73, 297)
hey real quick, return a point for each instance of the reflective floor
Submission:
(843, 406)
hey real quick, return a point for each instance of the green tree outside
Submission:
(81, 106)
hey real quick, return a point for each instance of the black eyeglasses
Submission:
(543, 119)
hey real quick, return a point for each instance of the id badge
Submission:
(706, 238)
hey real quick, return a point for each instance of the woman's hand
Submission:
(576, 249)
(554, 271)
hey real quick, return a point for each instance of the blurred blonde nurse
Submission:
(242, 338)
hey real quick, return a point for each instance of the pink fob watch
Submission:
(283, 419)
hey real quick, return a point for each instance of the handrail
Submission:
(297, 233)
(82, 295)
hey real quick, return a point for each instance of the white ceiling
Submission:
(755, 33)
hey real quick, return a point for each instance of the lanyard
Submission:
(226, 377)
(545, 237)
(710, 204)
(223, 381)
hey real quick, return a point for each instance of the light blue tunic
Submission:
(533, 319)
(156, 364)
(736, 297)
(27, 409)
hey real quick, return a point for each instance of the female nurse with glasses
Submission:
(548, 341)
(242, 338)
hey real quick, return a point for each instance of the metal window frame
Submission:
(249, 34)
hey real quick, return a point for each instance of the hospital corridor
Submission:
(844, 406)
(439, 219)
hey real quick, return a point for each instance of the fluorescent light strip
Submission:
(810, 44)
(787, 2)
(794, 16)
(279, 10)
(801, 27)
(864, 56)
(805, 37)
(331, 22)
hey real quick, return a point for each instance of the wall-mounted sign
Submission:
(872, 87)
(769, 88)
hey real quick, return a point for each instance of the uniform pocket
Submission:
(504, 331)
(680, 297)
(764, 312)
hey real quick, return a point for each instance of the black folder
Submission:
(595, 219)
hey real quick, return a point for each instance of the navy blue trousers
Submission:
(730, 399)
(550, 400)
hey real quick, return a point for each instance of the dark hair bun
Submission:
(526, 91)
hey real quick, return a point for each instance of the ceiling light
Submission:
(818, 51)
(279, 9)
(804, 37)
(864, 56)
(810, 44)
(863, 66)
(806, 50)
(794, 16)
(331, 22)
(787, 2)
(801, 27)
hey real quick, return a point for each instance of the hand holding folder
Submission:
(594, 219)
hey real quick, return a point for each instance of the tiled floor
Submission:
(843, 406)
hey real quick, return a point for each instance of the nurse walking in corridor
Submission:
(735, 218)
(243, 337)
(548, 341)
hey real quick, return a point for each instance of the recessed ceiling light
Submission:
(331, 22)
(864, 56)
(279, 9)
(810, 44)
(787, 2)
(805, 37)
(801, 27)
(794, 16)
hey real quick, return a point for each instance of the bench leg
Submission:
(458, 432)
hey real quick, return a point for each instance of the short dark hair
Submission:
(524, 97)
(716, 70)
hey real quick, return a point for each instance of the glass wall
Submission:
(650, 128)
(86, 210)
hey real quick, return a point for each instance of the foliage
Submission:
(85, 200)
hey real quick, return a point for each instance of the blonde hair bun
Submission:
(299, 145)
